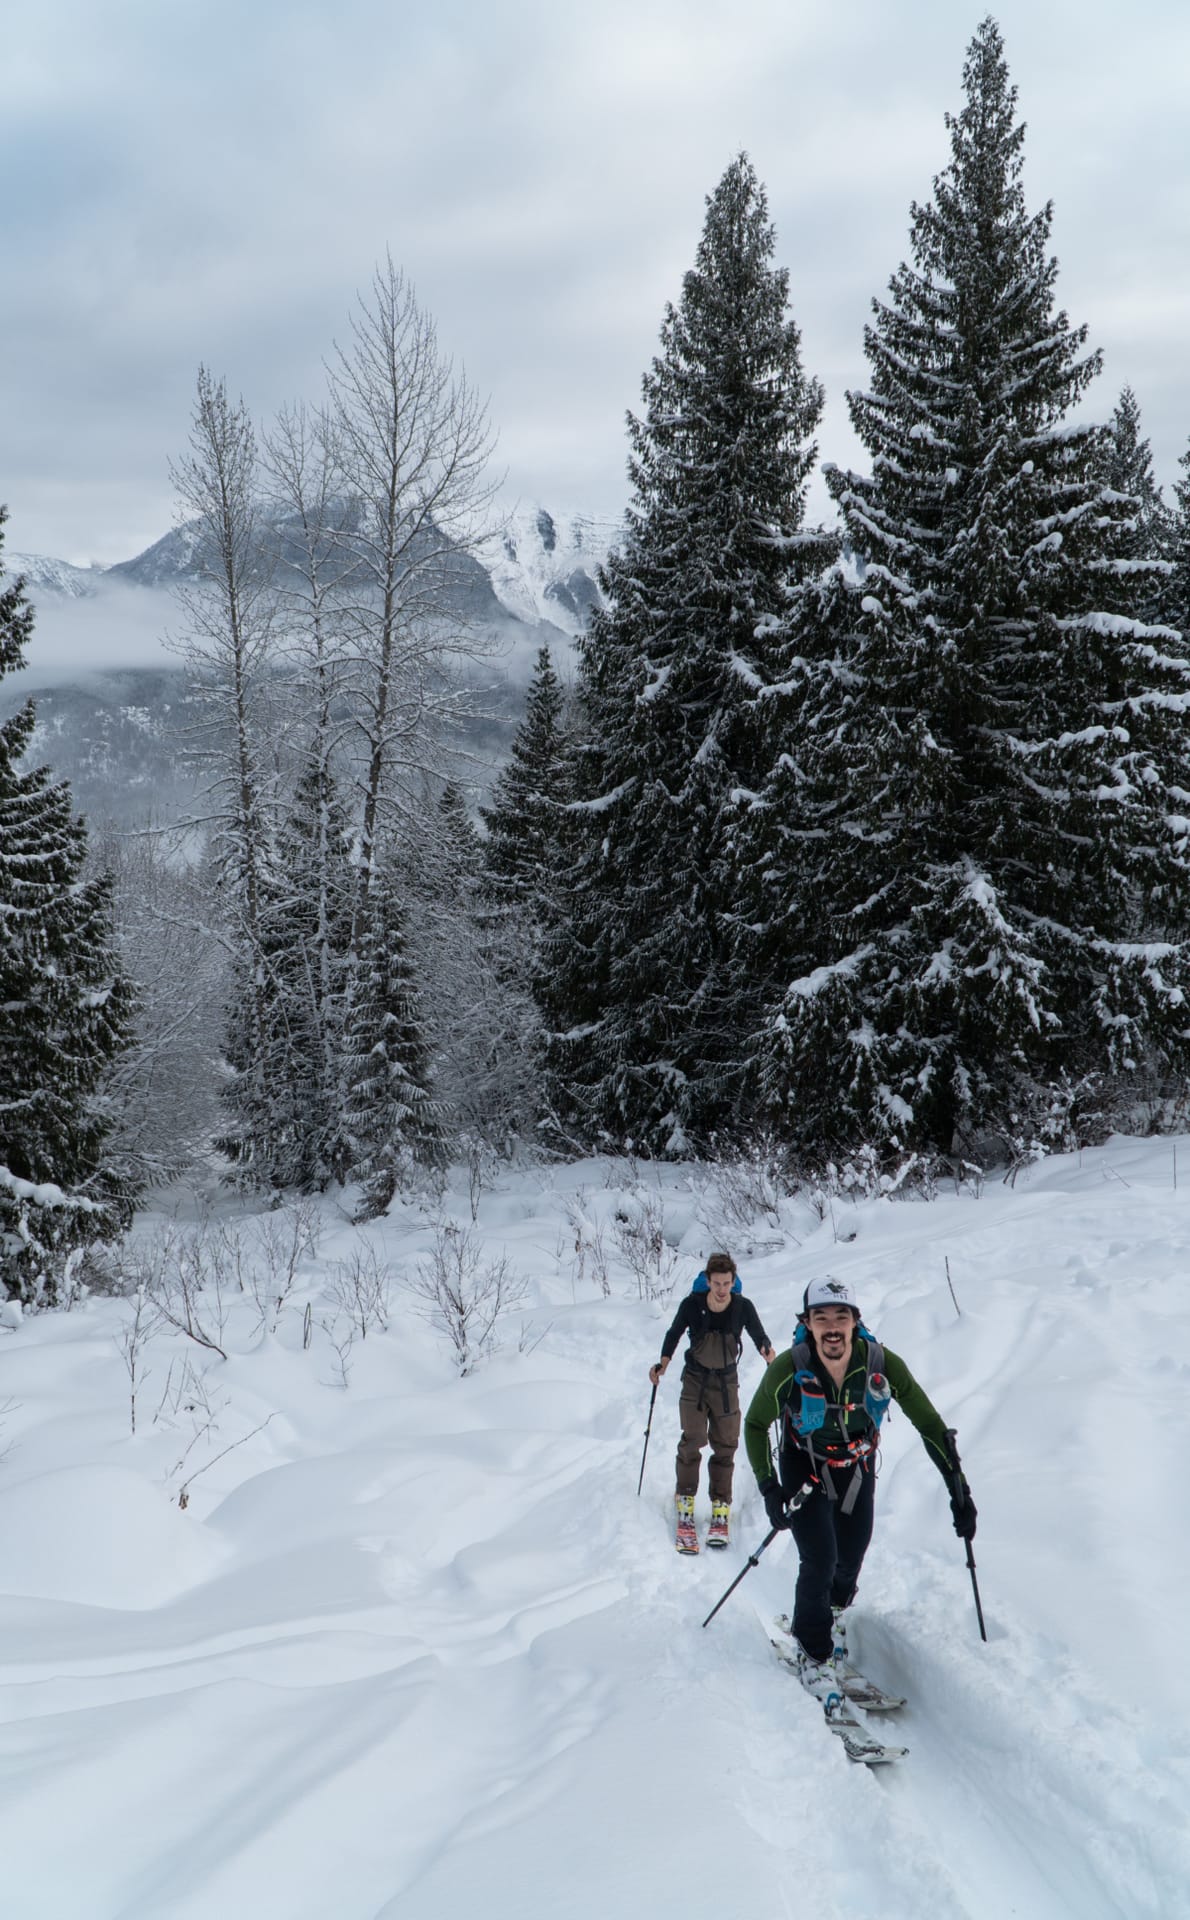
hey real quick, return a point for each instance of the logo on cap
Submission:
(824, 1291)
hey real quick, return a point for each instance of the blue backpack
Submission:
(703, 1285)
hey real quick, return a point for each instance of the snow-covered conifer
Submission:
(1142, 548)
(458, 856)
(306, 949)
(65, 1011)
(1175, 595)
(979, 802)
(390, 1121)
(526, 848)
(472, 961)
(535, 782)
(643, 1001)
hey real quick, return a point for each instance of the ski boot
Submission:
(687, 1538)
(823, 1679)
(839, 1631)
(719, 1531)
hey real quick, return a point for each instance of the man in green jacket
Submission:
(826, 1402)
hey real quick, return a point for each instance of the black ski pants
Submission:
(831, 1545)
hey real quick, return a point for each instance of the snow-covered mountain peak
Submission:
(543, 563)
(42, 572)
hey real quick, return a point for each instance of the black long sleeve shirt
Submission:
(694, 1316)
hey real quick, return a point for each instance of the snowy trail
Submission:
(1024, 1776)
(419, 1648)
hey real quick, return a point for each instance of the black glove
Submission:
(962, 1509)
(774, 1503)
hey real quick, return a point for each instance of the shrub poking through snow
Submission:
(463, 1296)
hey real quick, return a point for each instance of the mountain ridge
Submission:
(113, 704)
(538, 566)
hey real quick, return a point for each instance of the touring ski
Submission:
(685, 1538)
(719, 1531)
(860, 1745)
(857, 1688)
(842, 1715)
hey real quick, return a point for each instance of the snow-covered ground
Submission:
(413, 1649)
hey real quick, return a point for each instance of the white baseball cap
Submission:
(826, 1291)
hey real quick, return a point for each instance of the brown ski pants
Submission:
(700, 1409)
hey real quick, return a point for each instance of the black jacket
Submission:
(694, 1316)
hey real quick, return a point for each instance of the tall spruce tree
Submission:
(640, 993)
(65, 1011)
(306, 933)
(524, 864)
(1175, 593)
(390, 1122)
(536, 781)
(1145, 544)
(976, 816)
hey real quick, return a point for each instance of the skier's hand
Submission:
(962, 1509)
(774, 1503)
(768, 1355)
(656, 1371)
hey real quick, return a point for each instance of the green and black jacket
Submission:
(846, 1419)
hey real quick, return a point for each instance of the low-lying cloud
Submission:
(115, 628)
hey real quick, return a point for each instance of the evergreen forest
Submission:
(862, 845)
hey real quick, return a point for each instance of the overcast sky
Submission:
(209, 181)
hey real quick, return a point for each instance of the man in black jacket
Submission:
(716, 1316)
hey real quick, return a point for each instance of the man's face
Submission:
(832, 1329)
(720, 1285)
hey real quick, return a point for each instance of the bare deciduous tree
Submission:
(360, 1290)
(462, 1295)
(132, 1340)
(590, 1251)
(413, 439)
(230, 605)
(311, 515)
(282, 1241)
(181, 1274)
(640, 1236)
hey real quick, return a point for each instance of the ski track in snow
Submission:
(416, 1649)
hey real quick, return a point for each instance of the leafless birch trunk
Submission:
(414, 442)
(230, 611)
(312, 516)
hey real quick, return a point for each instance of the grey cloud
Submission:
(116, 628)
(213, 182)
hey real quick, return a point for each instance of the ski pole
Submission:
(956, 1488)
(801, 1495)
(648, 1426)
(752, 1560)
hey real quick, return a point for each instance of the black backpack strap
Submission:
(853, 1486)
